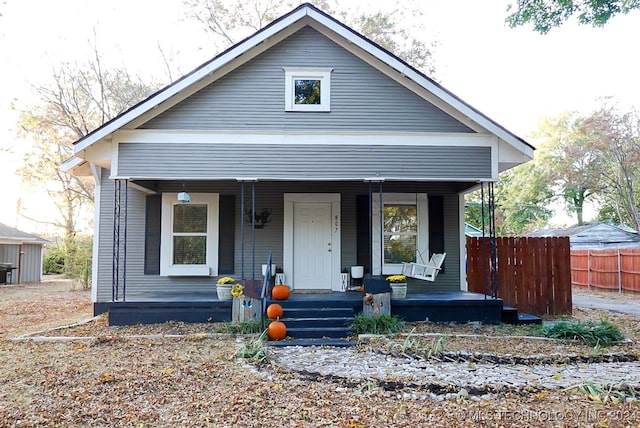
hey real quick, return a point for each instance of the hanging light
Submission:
(184, 197)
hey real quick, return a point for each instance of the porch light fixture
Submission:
(184, 197)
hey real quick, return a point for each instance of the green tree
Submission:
(521, 199)
(566, 158)
(228, 21)
(545, 14)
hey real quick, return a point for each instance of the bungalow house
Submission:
(20, 256)
(305, 141)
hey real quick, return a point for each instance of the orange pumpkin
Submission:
(277, 330)
(274, 311)
(280, 292)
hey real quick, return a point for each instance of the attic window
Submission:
(307, 89)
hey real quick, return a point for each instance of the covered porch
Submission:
(357, 235)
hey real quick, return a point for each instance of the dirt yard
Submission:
(33, 307)
(106, 377)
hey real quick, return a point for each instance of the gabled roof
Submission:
(305, 14)
(597, 235)
(9, 235)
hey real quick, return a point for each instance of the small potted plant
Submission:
(398, 286)
(224, 286)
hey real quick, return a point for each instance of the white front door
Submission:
(312, 245)
(312, 241)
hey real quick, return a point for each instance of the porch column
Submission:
(381, 225)
(489, 222)
(119, 249)
(253, 225)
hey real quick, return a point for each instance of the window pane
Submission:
(399, 248)
(189, 250)
(400, 233)
(307, 92)
(401, 218)
(190, 218)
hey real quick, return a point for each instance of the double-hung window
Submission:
(189, 235)
(404, 234)
(400, 232)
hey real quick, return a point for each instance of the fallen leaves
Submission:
(196, 381)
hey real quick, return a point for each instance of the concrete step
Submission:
(318, 333)
(320, 322)
(529, 319)
(290, 312)
(509, 315)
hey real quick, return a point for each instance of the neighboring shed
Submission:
(472, 231)
(20, 256)
(594, 236)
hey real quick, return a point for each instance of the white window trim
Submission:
(292, 74)
(167, 268)
(422, 250)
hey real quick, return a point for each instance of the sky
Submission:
(514, 76)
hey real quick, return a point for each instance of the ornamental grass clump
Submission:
(250, 326)
(377, 324)
(591, 333)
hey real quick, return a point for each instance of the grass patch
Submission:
(251, 326)
(601, 333)
(377, 324)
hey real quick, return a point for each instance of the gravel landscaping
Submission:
(178, 374)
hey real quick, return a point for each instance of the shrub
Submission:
(53, 260)
(591, 333)
(72, 259)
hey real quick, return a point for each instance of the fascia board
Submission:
(71, 164)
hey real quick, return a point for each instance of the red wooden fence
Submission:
(614, 269)
(533, 274)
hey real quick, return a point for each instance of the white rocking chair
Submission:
(424, 272)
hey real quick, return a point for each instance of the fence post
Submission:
(619, 273)
(589, 270)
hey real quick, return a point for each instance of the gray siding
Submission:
(269, 239)
(298, 161)
(252, 96)
(31, 263)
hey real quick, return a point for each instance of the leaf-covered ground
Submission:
(195, 380)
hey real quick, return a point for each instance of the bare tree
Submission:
(81, 98)
(228, 21)
(616, 138)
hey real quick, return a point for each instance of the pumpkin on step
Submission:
(277, 330)
(274, 311)
(280, 292)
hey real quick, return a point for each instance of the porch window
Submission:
(400, 233)
(404, 235)
(189, 235)
(308, 89)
